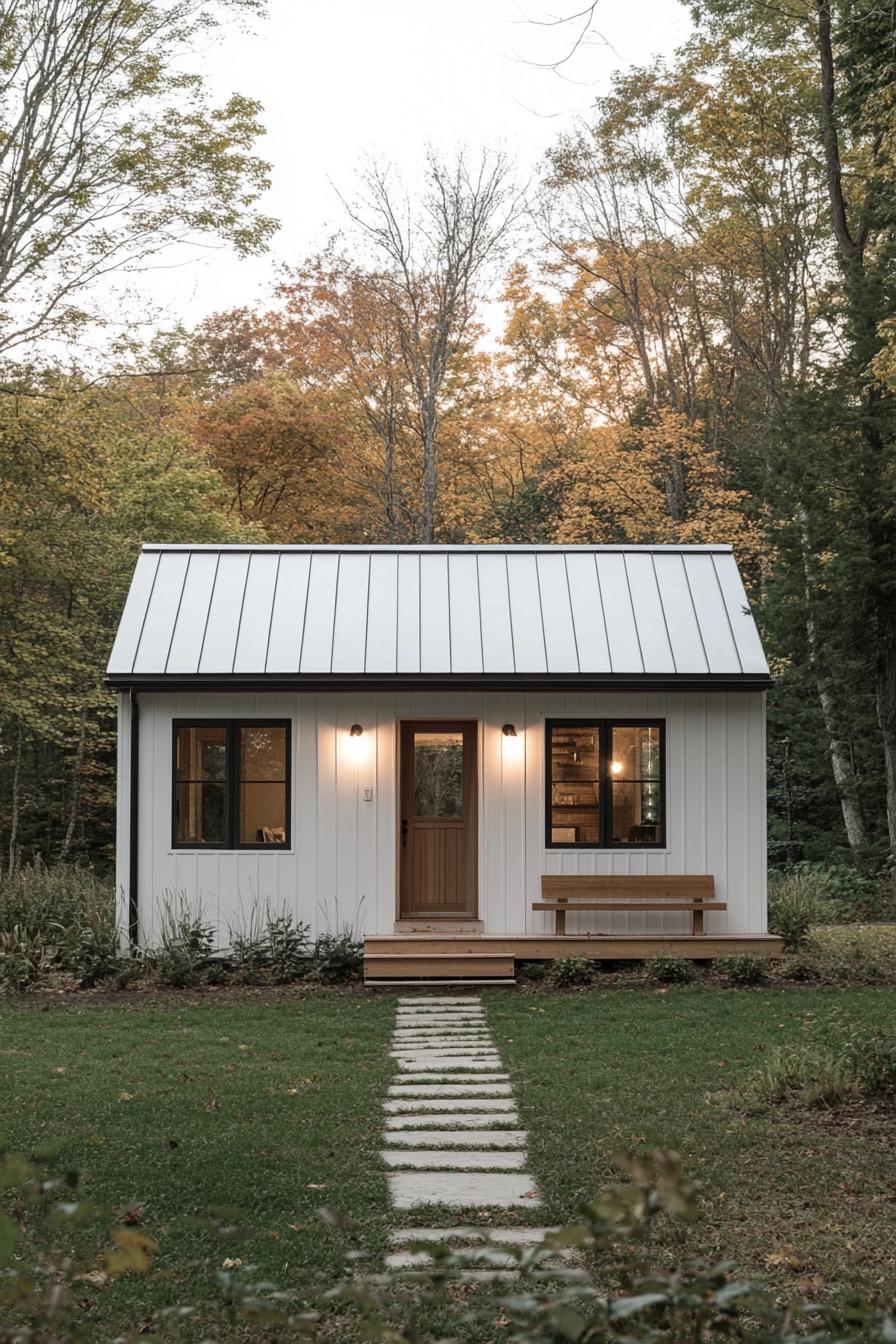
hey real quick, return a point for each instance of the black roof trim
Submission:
(512, 681)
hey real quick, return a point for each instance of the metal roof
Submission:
(325, 614)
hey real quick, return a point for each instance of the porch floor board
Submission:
(547, 947)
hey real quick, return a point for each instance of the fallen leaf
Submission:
(126, 1096)
(97, 1278)
(785, 1257)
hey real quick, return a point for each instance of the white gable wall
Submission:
(341, 868)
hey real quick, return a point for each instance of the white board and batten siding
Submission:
(341, 868)
(306, 619)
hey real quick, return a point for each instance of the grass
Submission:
(790, 1198)
(271, 1109)
(867, 940)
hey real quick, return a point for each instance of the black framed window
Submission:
(231, 783)
(605, 784)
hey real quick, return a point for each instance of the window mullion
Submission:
(232, 783)
(603, 737)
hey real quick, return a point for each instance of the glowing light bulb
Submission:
(616, 767)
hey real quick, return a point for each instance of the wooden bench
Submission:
(687, 892)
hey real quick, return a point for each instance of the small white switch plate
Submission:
(368, 795)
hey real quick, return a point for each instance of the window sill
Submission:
(231, 853)
(606, 849)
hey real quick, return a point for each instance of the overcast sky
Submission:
(342, 78)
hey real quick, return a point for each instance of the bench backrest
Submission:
(699, 887)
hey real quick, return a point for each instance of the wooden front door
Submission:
(438, 820)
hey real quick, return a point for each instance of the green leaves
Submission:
(110, 151)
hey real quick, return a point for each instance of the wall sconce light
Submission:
(355, 744)
(511, 743)
(616, 767)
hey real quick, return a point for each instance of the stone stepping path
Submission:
(451, 1139)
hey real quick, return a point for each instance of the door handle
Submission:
(404, 832)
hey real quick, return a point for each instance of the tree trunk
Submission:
(886, 717)
(838, 741)
(16, 800)
(842, 768)
(76, 791)
(428, 512)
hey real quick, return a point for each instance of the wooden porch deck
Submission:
(420, 956)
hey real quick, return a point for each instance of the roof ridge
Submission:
(412, 547)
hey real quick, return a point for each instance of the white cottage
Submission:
(471, 754)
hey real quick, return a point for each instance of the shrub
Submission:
(92, 951)
(338, 957)
(66, 915)
(569, 971)
(803, 968)
(185, 945)
(289, 948)
(856, 1061)
(533, 970)
(831, 894)
(795, 903)
(52, 900)
(744, 969)
(22, 957)
(669, 970)
(277, 949)
(847, 895)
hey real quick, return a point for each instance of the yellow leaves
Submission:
(655, 483)
(133, 1253)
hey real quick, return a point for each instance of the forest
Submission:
(679, 327)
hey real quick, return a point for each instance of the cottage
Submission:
(471, 754)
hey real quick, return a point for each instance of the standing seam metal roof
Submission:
(316, 612)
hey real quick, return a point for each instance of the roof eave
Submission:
(362, 681)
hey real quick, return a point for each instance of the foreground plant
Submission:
(611, 1292)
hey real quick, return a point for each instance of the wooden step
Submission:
(441, 966)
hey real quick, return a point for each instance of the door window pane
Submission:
(262, 792)
(635, 786)
(438, 774)
(201, 796)
(575, 785)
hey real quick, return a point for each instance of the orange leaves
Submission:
(655, 483)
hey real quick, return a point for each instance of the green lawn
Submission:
(273, 1108)
(601, 1071)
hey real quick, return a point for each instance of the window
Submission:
(605, 784)
(231, 784)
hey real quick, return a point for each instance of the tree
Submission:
(89, 473)
(429, 266)
(110, 150)
(853, 64)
